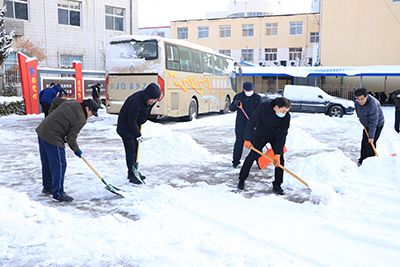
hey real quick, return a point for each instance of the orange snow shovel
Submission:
(281, 166)
(263, 162)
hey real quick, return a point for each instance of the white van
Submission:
(315, 100)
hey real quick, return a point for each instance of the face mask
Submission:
(280, 114)
(249, 93)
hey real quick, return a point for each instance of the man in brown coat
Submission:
(64, 123)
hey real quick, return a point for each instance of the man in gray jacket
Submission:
(64, 123)
(370, 114)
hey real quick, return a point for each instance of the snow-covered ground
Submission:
(189, 213)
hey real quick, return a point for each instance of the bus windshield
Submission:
(134, 49)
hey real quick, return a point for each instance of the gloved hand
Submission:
(277, 160)
(139, 139)
(78, 153)
(236, 103)
(247, 144)
(371, 140)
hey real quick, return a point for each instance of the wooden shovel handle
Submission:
(282, 167)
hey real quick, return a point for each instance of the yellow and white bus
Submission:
(193, 79)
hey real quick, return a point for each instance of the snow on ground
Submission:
(9, 99)
(189, 212)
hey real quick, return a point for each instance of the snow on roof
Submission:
(378, 70)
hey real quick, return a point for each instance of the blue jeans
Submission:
(54, 165)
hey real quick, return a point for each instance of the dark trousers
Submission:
(131, 149)
(366, 148)
(252, 156)
(45, 108)
(54, 165)
(238, 149)
(397, 120)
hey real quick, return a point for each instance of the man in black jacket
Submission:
(268, 124)
(135, 111)
(247, 102)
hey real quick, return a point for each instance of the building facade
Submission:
(360, 32)
(67, 30)
(287, 40)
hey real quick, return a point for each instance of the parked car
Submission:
(314, 100)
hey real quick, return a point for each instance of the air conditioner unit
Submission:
(276, 63)
(261, 64)
(293, 63)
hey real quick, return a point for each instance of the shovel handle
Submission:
(93, 169)
(282, 167)
(371, 143)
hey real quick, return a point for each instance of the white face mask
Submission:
(280, 114)
(248, 93)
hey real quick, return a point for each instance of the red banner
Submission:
(31, 66)
(29, 83)
(78, 80)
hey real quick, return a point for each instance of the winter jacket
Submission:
(249, 105)
(397, 102)
(95, 91)
(265, 125)
(48, 94)
(370, 115)
(134, 112)
(64, 123)
(56, 103)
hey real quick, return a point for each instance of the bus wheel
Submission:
(226, 107)
(193, 110)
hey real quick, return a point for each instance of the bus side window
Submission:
(197, 61)
(172, 57)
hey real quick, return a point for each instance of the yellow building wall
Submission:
(360, 32)
(259, 41)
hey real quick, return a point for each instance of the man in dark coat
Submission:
(370, 114)
(397, 114)
(64, 123)
(134, 112)
(268, 124)
(47, 95)
(248, 101)
(96, 93)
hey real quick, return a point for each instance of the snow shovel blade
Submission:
(114, 190)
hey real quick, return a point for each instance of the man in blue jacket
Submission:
(245, 103)
(370, 114)
(134, 112)
(47, 95)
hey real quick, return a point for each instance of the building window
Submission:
(296, 27)
(202, 32)
(271, 54)
(295, 53)
(225, 31)
(69, 12)
(17, 9)
(314, 37)
(247, 30)
(248, 55)
(66, 60)
(115, 18)
(182, 33)
(272, 28)
(225, 52)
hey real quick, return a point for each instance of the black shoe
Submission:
(241, 184)
(277, 189)
(133, 179)
(359, 162)
(46, 191)
(63, 198)
(235, 164)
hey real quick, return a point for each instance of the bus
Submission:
(193, 79)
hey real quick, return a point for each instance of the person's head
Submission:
(90, 107)
(51, 84)
(361, 95)
(98, 84)
(281, 106)
(152, 93)
(248, 89)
